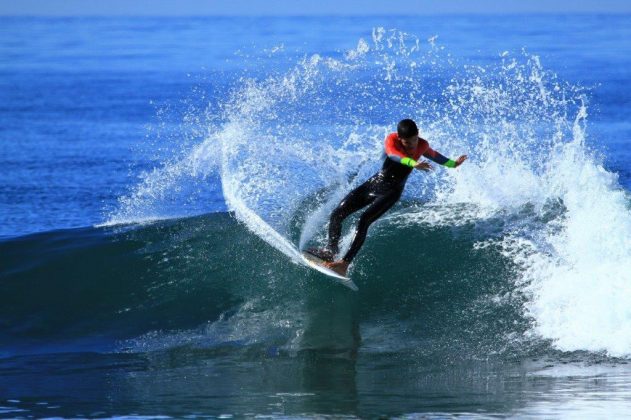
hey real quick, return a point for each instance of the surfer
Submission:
(403, 149)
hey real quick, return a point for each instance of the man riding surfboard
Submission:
(381, 191)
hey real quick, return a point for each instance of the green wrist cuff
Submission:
(450, 163)
(408, 162)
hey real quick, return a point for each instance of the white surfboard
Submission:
(318, 264)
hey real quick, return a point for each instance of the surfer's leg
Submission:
(381, 205)
(355, 200)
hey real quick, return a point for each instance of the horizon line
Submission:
(319, 15)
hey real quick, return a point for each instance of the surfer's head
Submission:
(408, 132)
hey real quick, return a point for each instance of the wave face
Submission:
(208, 282)
(529, 240)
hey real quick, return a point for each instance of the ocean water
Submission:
(159, 174)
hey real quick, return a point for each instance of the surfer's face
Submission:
(410, 142)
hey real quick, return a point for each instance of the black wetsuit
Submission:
(379, 193)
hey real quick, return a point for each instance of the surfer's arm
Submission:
(435, 156)
(393, 153)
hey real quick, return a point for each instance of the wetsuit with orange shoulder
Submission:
(398, 164)
(380, 192)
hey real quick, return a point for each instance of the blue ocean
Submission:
(159, 174)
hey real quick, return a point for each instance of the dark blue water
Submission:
(500, 289)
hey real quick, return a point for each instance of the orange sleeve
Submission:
(395, 154)
(391, 149)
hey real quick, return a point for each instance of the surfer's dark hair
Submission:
(407, 128)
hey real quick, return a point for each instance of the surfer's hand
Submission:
(460, 160)
(423, 166)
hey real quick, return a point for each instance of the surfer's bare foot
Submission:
(340, 267)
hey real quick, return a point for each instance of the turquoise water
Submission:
(159, 173)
